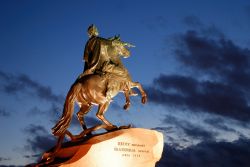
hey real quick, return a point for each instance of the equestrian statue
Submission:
(104, 76)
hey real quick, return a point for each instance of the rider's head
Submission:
(92, 31)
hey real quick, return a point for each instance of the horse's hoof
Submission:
(144, 99)
(89, 134)
(112, 128)
(126, 106)
(125, 126)
(48, 157)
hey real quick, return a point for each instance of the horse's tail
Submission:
(68, 110)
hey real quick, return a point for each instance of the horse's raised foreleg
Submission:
(100, 114)
(143, 93)
(84, 109)
(127, 104)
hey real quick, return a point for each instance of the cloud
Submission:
(191, 131)
(215, 79)
(32, 156)
(3, 113)
(192, 21)
(219, 123)
(10, 166)
(4, 159)
(14, 84)
(186, 92)
(38, 139)
(208, 154)
(36, 111)
(195, 23)
(165, 129)
(220, 57)
(52, 114)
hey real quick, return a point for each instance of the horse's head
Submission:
(121, 47)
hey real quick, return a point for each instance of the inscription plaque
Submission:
(134, 147)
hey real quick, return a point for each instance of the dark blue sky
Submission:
(192, 57)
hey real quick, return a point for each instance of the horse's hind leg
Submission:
(84, 109)
(100, 114)
(48, 157)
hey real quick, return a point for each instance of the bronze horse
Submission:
(97, 89)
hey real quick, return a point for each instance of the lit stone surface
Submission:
(133, 147)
